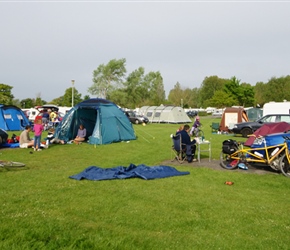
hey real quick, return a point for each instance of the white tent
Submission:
(165, 114)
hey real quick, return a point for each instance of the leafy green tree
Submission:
(221, 99)
(58, 101)
(208, 88)
(179, 96)
(87, 97)
(176, 94)
(195, 101)
(259, 89)
(107, 77)
(278, 89)
(38, 101)
(27, 103)
(66, 99)
(242, 93)
(120, 97)
(140, 89)
(247, 98)
(17, 103)
(231, 87)
(156, 86)
(6, 96)
(135, 88)
(188, 97)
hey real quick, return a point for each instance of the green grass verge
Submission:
(41, 208)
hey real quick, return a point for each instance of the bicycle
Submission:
(285, 161)
(267, 155)
(197, 132)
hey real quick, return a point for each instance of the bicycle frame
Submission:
(267, 159)
(252, 155)
(197, 132)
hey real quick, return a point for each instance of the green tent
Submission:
(104, 121)
(254, 113)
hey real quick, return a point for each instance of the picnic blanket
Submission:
(132, 171)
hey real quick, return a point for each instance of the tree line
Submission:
(137, 89)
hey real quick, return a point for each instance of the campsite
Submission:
(42, 208)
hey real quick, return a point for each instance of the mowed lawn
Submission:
(42, 208)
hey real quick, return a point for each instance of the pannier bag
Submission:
(230, 146)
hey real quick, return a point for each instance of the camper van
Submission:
(272, 108)
(64, 109)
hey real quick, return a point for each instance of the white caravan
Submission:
(270, 108)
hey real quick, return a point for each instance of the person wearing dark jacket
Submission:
(189, 145)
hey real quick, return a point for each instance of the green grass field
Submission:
(42, 208)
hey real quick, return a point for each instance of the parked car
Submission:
(247, 128)
(191, 113)
(217, 113)
(135, 118)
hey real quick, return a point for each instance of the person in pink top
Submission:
(38, 128)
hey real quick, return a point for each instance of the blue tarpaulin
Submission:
(141, 171)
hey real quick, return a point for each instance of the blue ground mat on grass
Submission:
(10, 145)
(141, 171)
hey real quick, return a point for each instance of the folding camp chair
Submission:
(178, 148)
(215, 127)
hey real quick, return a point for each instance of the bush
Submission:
(202, 113)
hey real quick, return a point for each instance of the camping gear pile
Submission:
(267, 129)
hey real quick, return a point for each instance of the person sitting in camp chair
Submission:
(81, 136)
(190, 145)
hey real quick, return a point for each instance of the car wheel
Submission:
(246, 131)
(136, 121)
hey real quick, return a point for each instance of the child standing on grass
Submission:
(38, 128)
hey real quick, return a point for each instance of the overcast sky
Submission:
(46, 44)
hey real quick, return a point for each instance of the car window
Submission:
(269, 119)
(285, 118)
(276, 118)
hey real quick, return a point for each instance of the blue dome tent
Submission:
(104, 121)
(12, 118)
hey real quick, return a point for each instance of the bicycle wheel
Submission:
(284, 165)
(10, 164)
(227, 162)
(199, 133)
